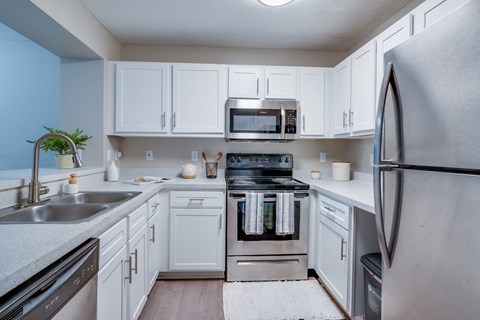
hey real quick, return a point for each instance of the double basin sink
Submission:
(73, 208)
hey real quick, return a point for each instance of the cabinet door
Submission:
(362, 114)
(397, 33)
(281, 83)
(312, 101)
(333, 256)
(153, 250)
(197, 239)
(245, 82)
(199, 96)
(142, 97)
(341, 96)
(432, 11)
(112, 291)
(137, 273)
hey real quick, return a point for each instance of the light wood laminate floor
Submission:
(185, 300)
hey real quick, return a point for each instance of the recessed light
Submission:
(274, 3)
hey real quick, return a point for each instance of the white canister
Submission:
(112, 172)
(341, 170)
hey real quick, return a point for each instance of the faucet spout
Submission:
(34, 188)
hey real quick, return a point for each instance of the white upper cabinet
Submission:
(281, 83)
(312, 101)
(361, 116)
(142, 97)
(397, 33)
(250, 82)
(342, 96)
(432, 11)
(245, 82)
(199, 96)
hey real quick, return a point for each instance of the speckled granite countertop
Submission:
(29, 248)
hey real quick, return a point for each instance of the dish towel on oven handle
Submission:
(285, 214)
(253, 222)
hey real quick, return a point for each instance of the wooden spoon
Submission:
(218, 156)
(204, 156)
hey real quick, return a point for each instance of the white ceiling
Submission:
(302, 24)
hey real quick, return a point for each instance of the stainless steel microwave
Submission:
(263, 120)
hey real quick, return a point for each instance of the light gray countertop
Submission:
(29, 248)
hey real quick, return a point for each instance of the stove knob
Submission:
(280, 159)
(286, 159)
(239, 159)
(232, 159)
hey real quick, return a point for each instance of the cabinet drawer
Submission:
(153, 205)
(137, 219)
(197, 199)
(111, 241)
(335, 211)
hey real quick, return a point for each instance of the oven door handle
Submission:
(241, 196)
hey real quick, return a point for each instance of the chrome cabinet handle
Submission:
(330, 209)
(155, 205)
(380, 165)
(129, 262)
(220, 222)
(135, 253)
(344, 119)
(258, 86)
(350, 117)
(268, 86)
(174, 120)
(196, 199)
(153, 233)
(163, 119)
(303, 126)
(342, 255)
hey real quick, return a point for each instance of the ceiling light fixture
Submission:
(274, 3)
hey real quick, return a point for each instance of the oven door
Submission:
(269, 243)
(254, 123)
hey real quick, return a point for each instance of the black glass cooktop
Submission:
(263, 183)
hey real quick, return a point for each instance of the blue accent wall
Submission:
(29, 98)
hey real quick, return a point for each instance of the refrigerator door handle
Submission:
(380, 165)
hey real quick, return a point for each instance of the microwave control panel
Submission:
(290, 121)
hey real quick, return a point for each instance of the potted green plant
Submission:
(63, 157)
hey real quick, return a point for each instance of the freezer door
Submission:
(435, 267)
(438, 73)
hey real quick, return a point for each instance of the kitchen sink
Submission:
(97, 197)
(54, 213)
(72, 208)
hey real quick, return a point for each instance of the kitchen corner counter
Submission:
(357, 192)
(29, 248)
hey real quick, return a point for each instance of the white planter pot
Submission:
(64, 161)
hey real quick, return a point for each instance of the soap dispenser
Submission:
(72, 186)
(112, 172)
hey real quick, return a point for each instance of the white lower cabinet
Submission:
(333, 253)
(153, 250)
(197, 231)
(137, 261)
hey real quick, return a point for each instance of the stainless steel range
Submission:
(267, 218)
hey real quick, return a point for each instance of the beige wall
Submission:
(76, 19)
(221, 55)
(358, 151)
(174, 152)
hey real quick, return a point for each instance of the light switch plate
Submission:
(323, 157)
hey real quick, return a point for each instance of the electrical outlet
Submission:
(149, 155)
(323, 157)
(194, 155)
(118, 155)
(371, 159)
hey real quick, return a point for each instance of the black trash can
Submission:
(372, 275)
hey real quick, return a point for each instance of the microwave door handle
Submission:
(282, 127)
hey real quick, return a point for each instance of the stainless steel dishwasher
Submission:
(67, 289)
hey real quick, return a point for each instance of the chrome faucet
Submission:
(35, 189)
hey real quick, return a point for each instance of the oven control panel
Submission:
(247, 160)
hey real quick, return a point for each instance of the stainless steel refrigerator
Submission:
(427, 172)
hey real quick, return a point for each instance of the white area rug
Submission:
(278, 300)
